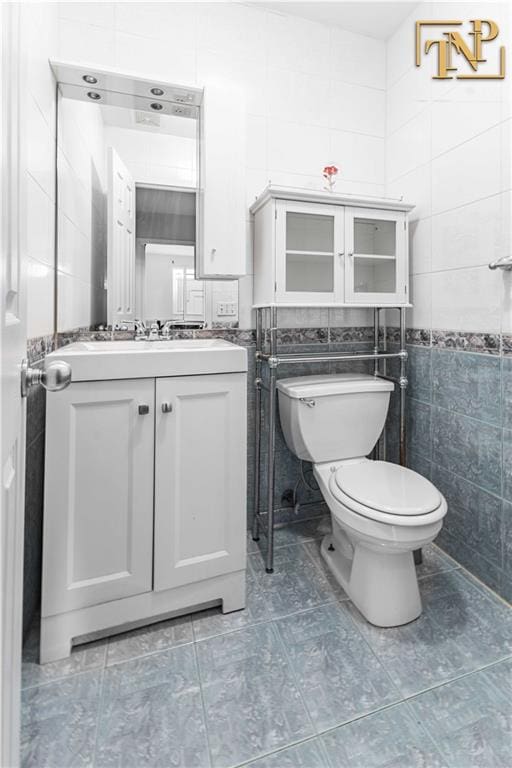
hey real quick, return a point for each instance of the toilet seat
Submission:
(387, 493)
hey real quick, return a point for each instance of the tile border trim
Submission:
(462, 341)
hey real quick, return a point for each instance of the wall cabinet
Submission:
(318, 248)
(221, 210)
(145, 502)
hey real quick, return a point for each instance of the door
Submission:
(194, 297)
(309, 245)
(12, 414)
(121, 241)
(376, 256)
(222, 211)
(98, 518)
(200, 471)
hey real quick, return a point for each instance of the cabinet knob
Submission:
(166, 407)
(143, 410)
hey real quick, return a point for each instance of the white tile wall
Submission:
(315, 94)
(154, 58)
(357, 59)
(39, 36)
(448, 151)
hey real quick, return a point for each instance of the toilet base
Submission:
(382, 585)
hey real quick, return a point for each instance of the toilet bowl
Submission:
(381, 512)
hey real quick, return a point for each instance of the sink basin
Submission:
(148, 346)
(105, 360)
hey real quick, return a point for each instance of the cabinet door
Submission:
(309, 245)
(376, 260)
(200, 478)
(222, 213)
(98, 519)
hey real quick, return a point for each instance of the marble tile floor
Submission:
(297, 680)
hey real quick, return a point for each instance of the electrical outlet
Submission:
(226, 308)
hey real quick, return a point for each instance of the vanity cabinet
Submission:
(321, 248)
(199, 482)
(145, 500)
(98, 527)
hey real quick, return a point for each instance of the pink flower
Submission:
(329, 171)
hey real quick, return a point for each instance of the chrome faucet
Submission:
(169, 324)
(140, 330)
(154, 332)
(166, 328)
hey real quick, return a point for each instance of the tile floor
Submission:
(298, 679)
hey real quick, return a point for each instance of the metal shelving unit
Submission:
(267, 353)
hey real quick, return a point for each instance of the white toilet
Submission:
(380, 511)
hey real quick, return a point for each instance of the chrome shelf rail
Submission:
(324, 357)
(267, 353)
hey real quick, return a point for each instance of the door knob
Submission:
(53, 378)
(166, 407)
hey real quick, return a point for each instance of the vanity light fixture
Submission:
(156, 106)
(90, 79)
(157, 92)
(93, 95)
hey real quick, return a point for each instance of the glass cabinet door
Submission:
(308, 246)
(375, 268)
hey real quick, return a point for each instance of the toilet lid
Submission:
(388, 487)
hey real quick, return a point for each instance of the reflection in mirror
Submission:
(127, 188)
(168, 284)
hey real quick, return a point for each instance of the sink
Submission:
(105, 360)
(148, 346)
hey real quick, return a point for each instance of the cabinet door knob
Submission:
(143, 410)
(166, 407)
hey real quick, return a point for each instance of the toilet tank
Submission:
(327, 418)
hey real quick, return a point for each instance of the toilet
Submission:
(381, 512)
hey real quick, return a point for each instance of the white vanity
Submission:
(145, 486)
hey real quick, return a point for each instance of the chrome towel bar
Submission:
(504, 263)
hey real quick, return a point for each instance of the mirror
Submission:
(127, 200)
